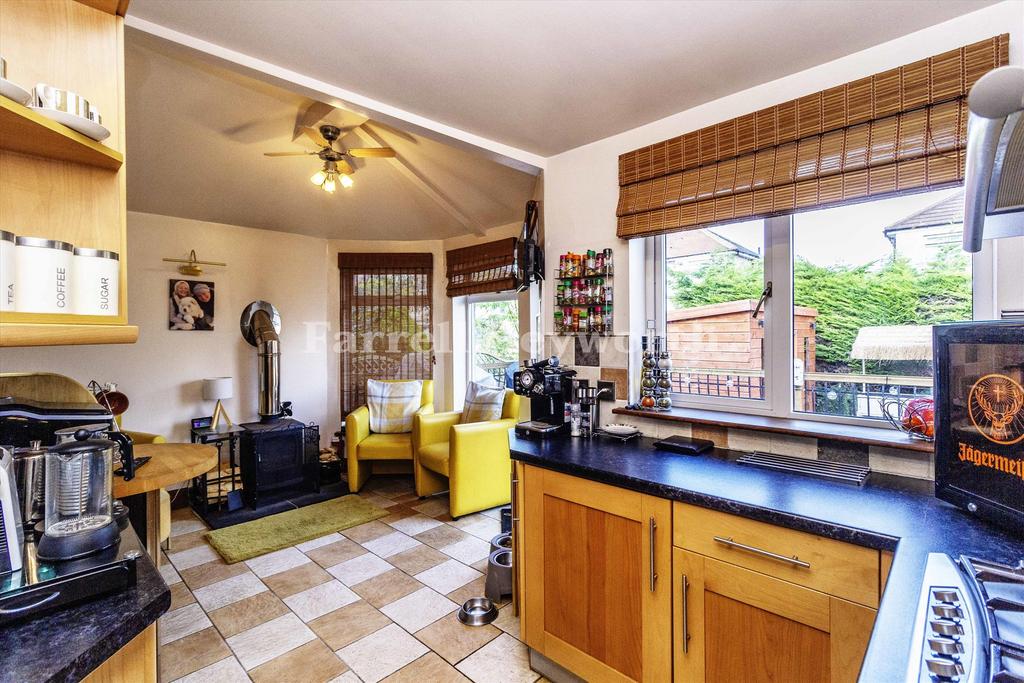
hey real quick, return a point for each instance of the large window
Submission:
(854, 293)
(493, 327)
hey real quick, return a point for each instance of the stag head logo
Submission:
(996, 406)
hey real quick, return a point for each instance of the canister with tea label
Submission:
(42, 275)
(6, 271)
(96, 282)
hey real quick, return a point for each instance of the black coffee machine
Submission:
(548, 386)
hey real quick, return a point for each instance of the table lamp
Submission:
(217, 389)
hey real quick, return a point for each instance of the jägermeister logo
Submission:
(996, 407)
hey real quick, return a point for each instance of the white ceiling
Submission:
(196, 138)
(547, 76)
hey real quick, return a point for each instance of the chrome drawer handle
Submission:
(686, 620)
(654, 575)
(796, 561)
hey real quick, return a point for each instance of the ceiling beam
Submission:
(421, 181)
(322, 91)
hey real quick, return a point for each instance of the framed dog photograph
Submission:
(190, 306)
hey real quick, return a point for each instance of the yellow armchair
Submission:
(470, 460)
(362, 445)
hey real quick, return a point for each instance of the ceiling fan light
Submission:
(318, 178)
(346, 181)
(329, 185)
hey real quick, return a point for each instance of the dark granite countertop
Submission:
(888, 513)
(67, 644)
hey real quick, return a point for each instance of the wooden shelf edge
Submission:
(28, 132)
(872, 436)
(27, 334)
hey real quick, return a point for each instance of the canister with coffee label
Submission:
(96, 282)
(42, 275)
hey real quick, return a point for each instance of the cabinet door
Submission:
(597, 590)
(734, 624)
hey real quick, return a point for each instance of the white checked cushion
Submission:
(483, 403)
(392, 405)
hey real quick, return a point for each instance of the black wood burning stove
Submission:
(276, 455)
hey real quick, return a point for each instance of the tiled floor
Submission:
(374, 602)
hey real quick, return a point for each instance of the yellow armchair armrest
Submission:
(432, 428)
(357, 428)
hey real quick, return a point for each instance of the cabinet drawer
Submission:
(837, 568)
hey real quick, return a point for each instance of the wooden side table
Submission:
(169, 463)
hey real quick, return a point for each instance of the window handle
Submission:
(765, 295)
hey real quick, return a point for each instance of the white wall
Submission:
(581, 185)
(161, 373)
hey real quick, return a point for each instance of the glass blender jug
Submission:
(78, 517)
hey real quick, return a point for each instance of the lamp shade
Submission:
(218, 388)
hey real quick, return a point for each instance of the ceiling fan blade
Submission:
(288, 154)
(314, 135)
(345, 167)
(367, 152)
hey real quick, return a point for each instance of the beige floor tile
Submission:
(309, 663)
(347, 677)
(315, 543)
(319, 600)
(276, 562)
(347, 625)
(193, 557)
(396, 513)
(247, 613)
(429, 667)
(507, 621)
(448, 576)
(468, 551)
(481, 566)
(269, 640)
(432, 507)
(473, 589)
(382, 653)
(418, 559)
(183, 513)
(453, 640)
(223, 593)
(360, 569)
(336, 553)
(494, 513)
(386, 588)
(482, 526)
(503, 660)
(390, 544)
(180, 596)
(227, 670)
(182, 622)
(415, 524)
(168, 572)
(297, 579)
(418, 609)
(192, 539)
(442, 536)
(211, 572)
(367, 532)
(191, 653)
(186, 525)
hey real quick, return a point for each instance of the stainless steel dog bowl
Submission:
(477, 612)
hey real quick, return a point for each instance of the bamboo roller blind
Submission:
(900, 130)
(481, 268)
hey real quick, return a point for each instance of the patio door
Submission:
(386, 321)
(493, 328)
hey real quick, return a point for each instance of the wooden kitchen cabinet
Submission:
(735, 624)
(597, 577)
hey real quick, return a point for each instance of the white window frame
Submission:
(778, 339)
(470, 335)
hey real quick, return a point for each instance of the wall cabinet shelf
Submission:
(25, 131)
(50, 334)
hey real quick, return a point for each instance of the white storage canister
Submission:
(6, 271)
(42, 275)
(96, 282)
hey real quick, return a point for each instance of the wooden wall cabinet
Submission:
(597, 577)
(57, 183)
(735, 624)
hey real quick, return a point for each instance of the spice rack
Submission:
(584, 294)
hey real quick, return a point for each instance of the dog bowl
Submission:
(501, 541)
(477, 612)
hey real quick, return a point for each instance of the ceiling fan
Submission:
(336, 168)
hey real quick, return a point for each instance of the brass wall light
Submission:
(191, 265)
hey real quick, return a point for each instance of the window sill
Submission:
(872, 436)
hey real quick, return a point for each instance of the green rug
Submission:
(283, 530)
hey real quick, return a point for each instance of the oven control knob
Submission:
(947, 611)
(945, 627)
(945, 646)
(946, 595)
(944, 667)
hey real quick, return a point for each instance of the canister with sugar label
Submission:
(96, 282)
(6, 271)
(42, 275)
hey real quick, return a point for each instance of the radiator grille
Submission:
(821, 469)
